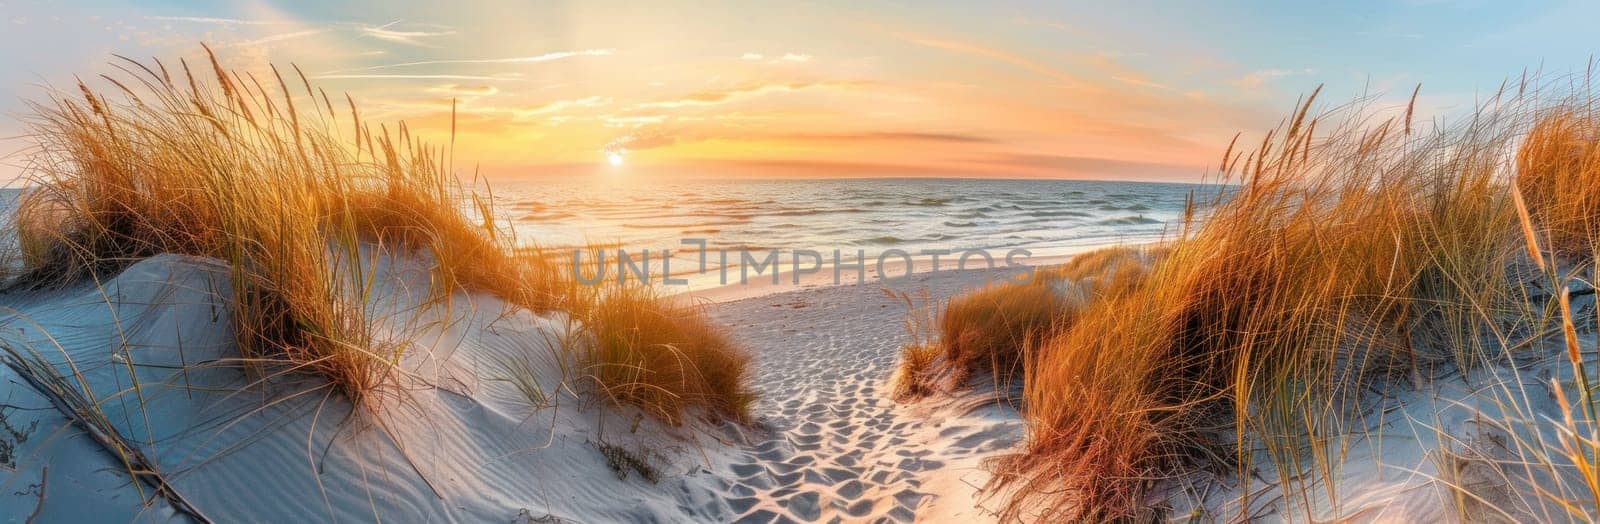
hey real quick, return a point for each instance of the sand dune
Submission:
(450, 440)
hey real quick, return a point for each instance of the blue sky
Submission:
(1133, 89)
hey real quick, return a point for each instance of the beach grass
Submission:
(982, 331)
(1350, 253)
(296, 192)
(1556, 169)
(661, 354)
(984, 334)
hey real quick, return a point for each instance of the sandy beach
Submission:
(839, 447)
(827, 444)
(705, 262)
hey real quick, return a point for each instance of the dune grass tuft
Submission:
(296, 193)
(662, 355)
(1349, 254)
(918, 373)
(987, 332)
(1557, 167)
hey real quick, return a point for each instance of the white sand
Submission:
(1478, 447)
(1457, 447)
(841, 448)
(450, 441)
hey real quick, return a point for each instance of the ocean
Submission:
(862, 219)
(857, 217)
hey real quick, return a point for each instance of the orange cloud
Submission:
(719, 96)
(1007, 57)
(464, 90)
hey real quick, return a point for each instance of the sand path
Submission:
(839, 449)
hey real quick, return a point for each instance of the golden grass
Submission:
(1117, 264)
(290, 192)
(663, 356)
(1344, 257)
(986, 332)
(918, 373)
(1557, 167)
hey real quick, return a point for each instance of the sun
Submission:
(614, 158)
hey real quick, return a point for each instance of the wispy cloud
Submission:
(1082, 166)
(213, 20)
(558, 55)
(278, 38)
(881, 136)
(720, 96)
(1257, 78)
(632, 121)
(655, 136)
(1000, 55)
(796, 58)
(1108, 64)
(406, 77)
(465, 90)
(383, 32)
(638, 141)
(562, 105)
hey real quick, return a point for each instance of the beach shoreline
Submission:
(893, 275)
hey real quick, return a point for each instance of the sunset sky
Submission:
(1120, 90)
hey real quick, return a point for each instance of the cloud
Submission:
(999, 55)
(1140, 80)
(793, 58)
(720, 96)
(1099, 167)
(886, 136)
(816, 168)
(561, 105)
(277, 38)
(655, 137)
(403, 37)
(407, 77)
(1106, 62)
(465, 90)
(638, 141)
(558, 55)
(632, 121)
(212, 20)
(1257, 78)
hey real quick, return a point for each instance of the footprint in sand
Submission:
(841, 452)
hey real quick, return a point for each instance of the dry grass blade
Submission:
(1528, 236)
(78, 406)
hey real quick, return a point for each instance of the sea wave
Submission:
(829, 214)
(1129, 221)
(546, 217)
(886, 240)
(1057, 213)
